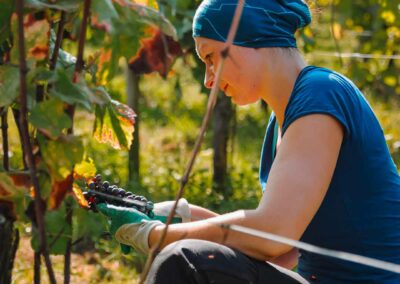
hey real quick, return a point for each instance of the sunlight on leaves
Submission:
(85, 169)
(78, 195)
(114, 125)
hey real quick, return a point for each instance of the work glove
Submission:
(130, 227)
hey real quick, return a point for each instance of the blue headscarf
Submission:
(264, 23)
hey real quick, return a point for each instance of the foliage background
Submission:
(171, 112)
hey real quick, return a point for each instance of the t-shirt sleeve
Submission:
(323, 93)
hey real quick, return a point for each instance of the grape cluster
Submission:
(102, 192)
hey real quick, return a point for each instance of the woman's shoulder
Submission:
(323, 79)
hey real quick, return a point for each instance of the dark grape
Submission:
(114, 191)
(106, 184)
(103, 192)
(121, 192)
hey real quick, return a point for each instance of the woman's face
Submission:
(241, 75)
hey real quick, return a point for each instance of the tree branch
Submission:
(39, 210)
(210, 106)
(82, 37)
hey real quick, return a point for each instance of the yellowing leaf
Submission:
(11, 185)
(37, 37)
(78, 194)
(85, 169)
(115, 125)
(58, 191)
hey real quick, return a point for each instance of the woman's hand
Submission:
(129, 226)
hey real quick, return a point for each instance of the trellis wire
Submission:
(357, 55)
(351, 257)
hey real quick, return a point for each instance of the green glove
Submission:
(120, 216)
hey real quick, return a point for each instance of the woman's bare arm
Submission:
(200, 213)
(297, 184)
(288, 260)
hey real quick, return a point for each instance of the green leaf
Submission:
(64, 5)
(7, 8)
(153, 18)
(9, 84)
(49, 116)
(61, 155)
(100, 96)
(103, 12)
(58, 232)
(41, 75)
(82, 225)
(69, 92)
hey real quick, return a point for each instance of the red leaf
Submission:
(37, 35)
(100, 25)
(58, 191)
(39, 52)
(156, 54)
(21, 179)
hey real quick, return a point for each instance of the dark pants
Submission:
(202, 262)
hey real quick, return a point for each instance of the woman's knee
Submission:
(174, 263)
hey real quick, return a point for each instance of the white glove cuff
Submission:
(137, 235)
(182, 209)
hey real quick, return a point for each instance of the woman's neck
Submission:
(283, 68)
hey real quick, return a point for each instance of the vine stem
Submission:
(79, 65)
(57, 44)
(39, 210)
(210, 106)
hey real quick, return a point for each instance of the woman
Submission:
(326, 172)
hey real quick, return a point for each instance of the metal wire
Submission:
(368, 261)
(357, 55)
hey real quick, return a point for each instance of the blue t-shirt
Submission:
(361, 210)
